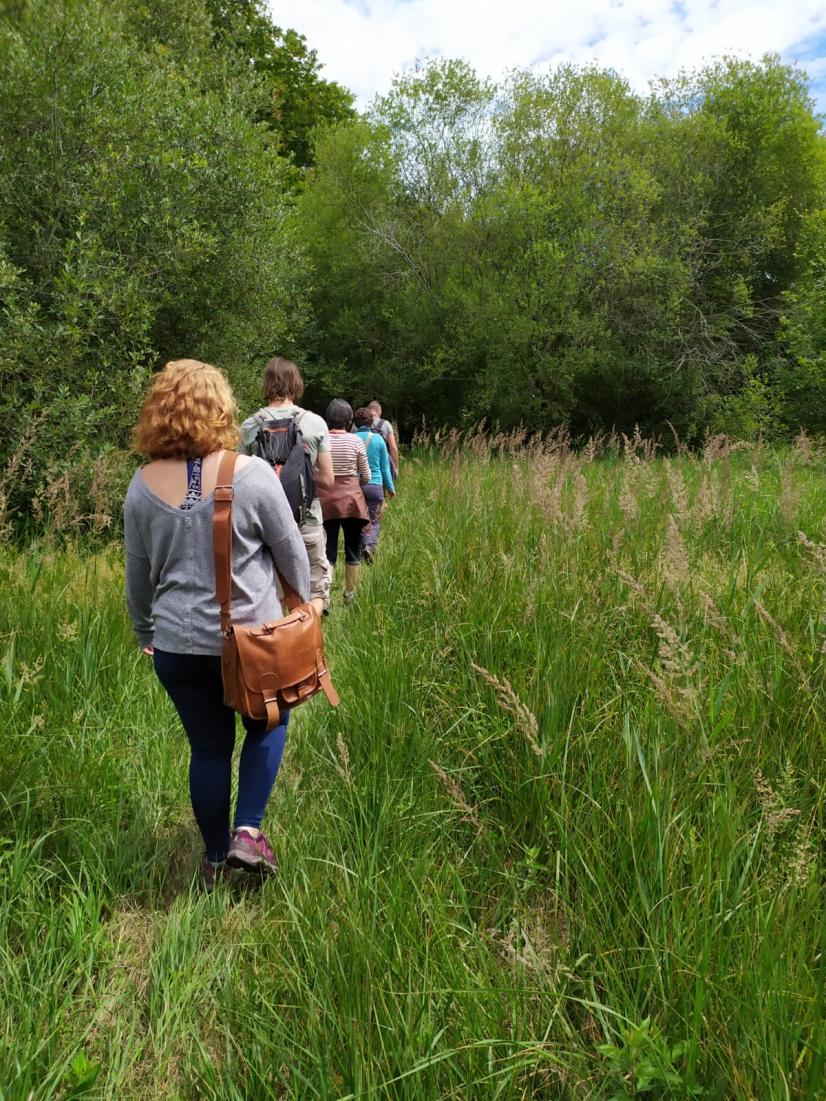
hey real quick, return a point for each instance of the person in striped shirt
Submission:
(343, 505)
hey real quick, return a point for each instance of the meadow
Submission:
(563, 839)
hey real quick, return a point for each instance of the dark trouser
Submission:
(194, 684)
(374, 496)
(351, 526)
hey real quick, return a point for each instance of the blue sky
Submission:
(363, 43)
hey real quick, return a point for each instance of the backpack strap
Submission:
(222, 543)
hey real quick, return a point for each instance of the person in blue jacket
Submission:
(380, 487)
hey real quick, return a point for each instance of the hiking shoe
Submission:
(349, 596)
(213, 875)
(368, 555)
(253, 854)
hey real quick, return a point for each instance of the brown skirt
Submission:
(344, 500)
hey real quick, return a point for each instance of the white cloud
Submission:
(363, 43)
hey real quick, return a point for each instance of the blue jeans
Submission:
(374, 496)
(193, 682)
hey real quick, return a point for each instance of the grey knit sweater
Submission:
(170, 572)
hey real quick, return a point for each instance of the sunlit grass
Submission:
(563, 838)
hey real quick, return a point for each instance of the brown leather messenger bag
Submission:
(278, 664)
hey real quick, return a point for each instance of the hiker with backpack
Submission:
(385, 429)
(185, 428)
(296, 444)
(343, 505)
(380, 486)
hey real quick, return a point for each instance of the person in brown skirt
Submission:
(343, 506)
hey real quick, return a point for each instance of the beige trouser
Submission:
(321, 575)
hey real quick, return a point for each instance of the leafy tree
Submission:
(295, 98)
(143, 215)
(737, 150)
(801, 372)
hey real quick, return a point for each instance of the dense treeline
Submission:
(176, 178)
(560, 249)
(147, 176)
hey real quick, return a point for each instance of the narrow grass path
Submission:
(562, 839)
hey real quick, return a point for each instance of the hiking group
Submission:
(335, 479)
(298, 482)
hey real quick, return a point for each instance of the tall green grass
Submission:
(562, 839)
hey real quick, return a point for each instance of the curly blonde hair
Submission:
(189, 411)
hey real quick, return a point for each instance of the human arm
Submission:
(324, 477)
(393, 448)
(361, 460)
(139, 589)
(386, 472)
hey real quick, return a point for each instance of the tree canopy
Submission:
(563, 249)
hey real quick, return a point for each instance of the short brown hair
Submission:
(282, 380)
(188, 412)
(362, 417)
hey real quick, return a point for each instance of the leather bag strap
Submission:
(273, 714)
(222, 536)
(327, 687)
(222, 544)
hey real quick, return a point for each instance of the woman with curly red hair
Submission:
(186, 423)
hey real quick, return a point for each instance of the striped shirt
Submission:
(348, 454)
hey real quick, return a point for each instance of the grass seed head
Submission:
(457, 796)
(343, 762)
(674, 558)
(508, 700)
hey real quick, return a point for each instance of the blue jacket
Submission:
(378, 459)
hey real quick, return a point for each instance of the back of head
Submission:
(375, 408)
(339, 414)
(282, 380)
(189, 412)
(362, 418)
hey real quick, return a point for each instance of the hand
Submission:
(148, 650)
